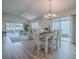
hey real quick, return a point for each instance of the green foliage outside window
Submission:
(65, 35)
(26, 27)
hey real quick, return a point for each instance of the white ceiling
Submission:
(32, 9)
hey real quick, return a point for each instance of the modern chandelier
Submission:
(50, 15)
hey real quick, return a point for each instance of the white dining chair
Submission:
(51, 41)
(35, 40)
(40, 41)
(56, 39)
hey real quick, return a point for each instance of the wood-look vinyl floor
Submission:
(25, 50)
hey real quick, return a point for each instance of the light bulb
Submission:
(46, 16)
(54, 15)
(49, 14)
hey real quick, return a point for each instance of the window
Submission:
(56, 24)
(14, 27)
(35, 25)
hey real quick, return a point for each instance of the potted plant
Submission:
(26, 27)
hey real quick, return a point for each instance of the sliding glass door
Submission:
(65, 29)
(56, 24)
(64, 25)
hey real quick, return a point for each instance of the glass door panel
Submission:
(57, 24)
(64, 25)
(65, 28)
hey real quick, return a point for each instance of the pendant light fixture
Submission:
(50, 15)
